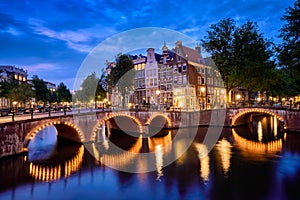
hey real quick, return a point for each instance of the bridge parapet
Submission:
(14, 136)
(290, 118)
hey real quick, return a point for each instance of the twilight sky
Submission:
(52, 38)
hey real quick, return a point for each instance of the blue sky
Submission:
(52, 38)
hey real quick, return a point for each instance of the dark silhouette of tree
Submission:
(289, 50)
(121, 77)
(63, 94)
(241, 54)
(41, 91)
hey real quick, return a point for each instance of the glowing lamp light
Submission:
(202, 89)
(258, 99)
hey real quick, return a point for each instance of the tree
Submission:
(41, 91)
(219, 42)
(252, 56)
(14, 91)
(7, 85)
(101, 88)
(241, 54)
(88, 88)
(289, 50)
(63, 94)
(21, 93)
(121, 77)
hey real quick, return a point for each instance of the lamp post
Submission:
(14, 110)
(158, 103)
(31, 109)
(204, 97)
(291, 99)
(104, 102)
(258, 100)
(238, 97)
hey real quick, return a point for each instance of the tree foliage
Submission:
(219, 42)
(21, 93)
(91, 89)
(63, 94)
(41, 91)
(121, 76)
(241, 54)
(289, 50)
(15, 91)
(252, 56)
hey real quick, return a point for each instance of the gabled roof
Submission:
(191, 54)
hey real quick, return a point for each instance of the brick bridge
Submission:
(15, 136)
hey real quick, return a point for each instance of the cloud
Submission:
(82, 40)
(12, 31)
(42, 67)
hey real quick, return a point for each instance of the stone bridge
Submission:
(83, 127)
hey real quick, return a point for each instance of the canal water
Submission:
(255, 161)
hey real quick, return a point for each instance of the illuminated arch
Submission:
(257, 110)
(32, 134)
(169, 123)
(54, 172)
(103, 120)
(257, 147)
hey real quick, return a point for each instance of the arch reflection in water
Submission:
(133, 157)
(204, 160)
(43, 145)
(257, 147)
(51, 172)
(161, 146)
(223, 148)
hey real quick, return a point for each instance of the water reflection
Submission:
(194, 175)
(223, 148)
(43, 145)
(202, 152)
(257, 147)
(52, 171)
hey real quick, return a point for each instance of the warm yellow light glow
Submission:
(157, 92)
(224, 150)
(159, 161)
(238, 96)
(260, 131)
(257, 147)
(258, 99)
(202, 89)
(204, 160)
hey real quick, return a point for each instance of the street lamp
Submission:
(258, 100)
(104, 102)
(238, 97)
(291, 99)
(31, 109)
(158, 103)
(13, 110)
(204, 96)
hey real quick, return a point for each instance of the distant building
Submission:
(139, 81)
(50, 86)
(9, 72)
(179, 78)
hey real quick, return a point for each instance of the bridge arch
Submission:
(243, 112)
(107, 118)
(168, 120)
(58, 125)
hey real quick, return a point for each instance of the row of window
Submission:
(140, 66)
(151, 72)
